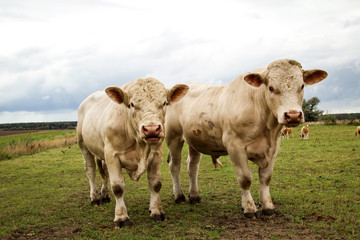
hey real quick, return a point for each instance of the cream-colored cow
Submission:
(357, 132)
(123, 128)
(242, 119)
(304, 132)
(286, 133)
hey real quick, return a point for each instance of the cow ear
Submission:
(177, 92)
(117, 95)
(254, 79)
(314, 76)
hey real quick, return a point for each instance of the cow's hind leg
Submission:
(193, 162)
(154, 180)
(105, 196)
(175, 145)
(90, 169)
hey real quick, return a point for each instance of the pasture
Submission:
(18, 143)
(315, 187)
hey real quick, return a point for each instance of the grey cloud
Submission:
(341, 85)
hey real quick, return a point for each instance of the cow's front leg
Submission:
(117, 183)
(268, 207)
(193, 168)
(154, 179)
(243, 173)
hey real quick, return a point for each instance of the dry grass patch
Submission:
(26, 144)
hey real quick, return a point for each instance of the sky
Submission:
(53, 54)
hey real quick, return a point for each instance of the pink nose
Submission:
(151, 131)
(293, 117)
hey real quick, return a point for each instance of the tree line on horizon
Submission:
(38, 126)
(310, 109)
(313, 114)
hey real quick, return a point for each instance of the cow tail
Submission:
(100, 166)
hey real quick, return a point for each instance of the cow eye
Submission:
(132, 105)
(163, 105)
(271, 89)
(302, 87)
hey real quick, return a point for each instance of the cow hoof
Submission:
(96, 203)
(252, 215)
(106, 200)
(158, 217)
(120, 224)
(180, 199)
(268, 212)
(194, 200)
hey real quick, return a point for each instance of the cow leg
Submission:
(244, 176)
(105, 196)
(192, 168)
(154, 180)
(90, 169)
(117, 183)
(175, 145)
(268, 207)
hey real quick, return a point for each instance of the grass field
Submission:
(18, 143)
(315, 187)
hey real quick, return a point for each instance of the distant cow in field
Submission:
(242, 119)
(357, 132)
(304, 132)
(286, 133)
(123, 128)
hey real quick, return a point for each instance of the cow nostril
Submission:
(293, 116)
(287, 117)
(300, 116)
(144, 129)
(151, 130)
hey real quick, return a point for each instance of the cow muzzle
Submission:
(292, 118)
(152, 133)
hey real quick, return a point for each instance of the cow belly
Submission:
(206, 145)
(204, 136)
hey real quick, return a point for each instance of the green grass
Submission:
(36, 136)
(29, 143)
(315, 185)
(317, 181)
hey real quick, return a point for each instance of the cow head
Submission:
(283, 82)
(146, 101)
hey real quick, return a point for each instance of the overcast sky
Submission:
(53, 54)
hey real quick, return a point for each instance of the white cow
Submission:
(242, 119)
(123, 128)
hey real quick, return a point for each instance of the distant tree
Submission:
(330, 120)
(312, 113)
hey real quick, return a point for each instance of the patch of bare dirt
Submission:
(265, 227)
(68, 232)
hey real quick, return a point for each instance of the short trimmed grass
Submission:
(315, 184)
